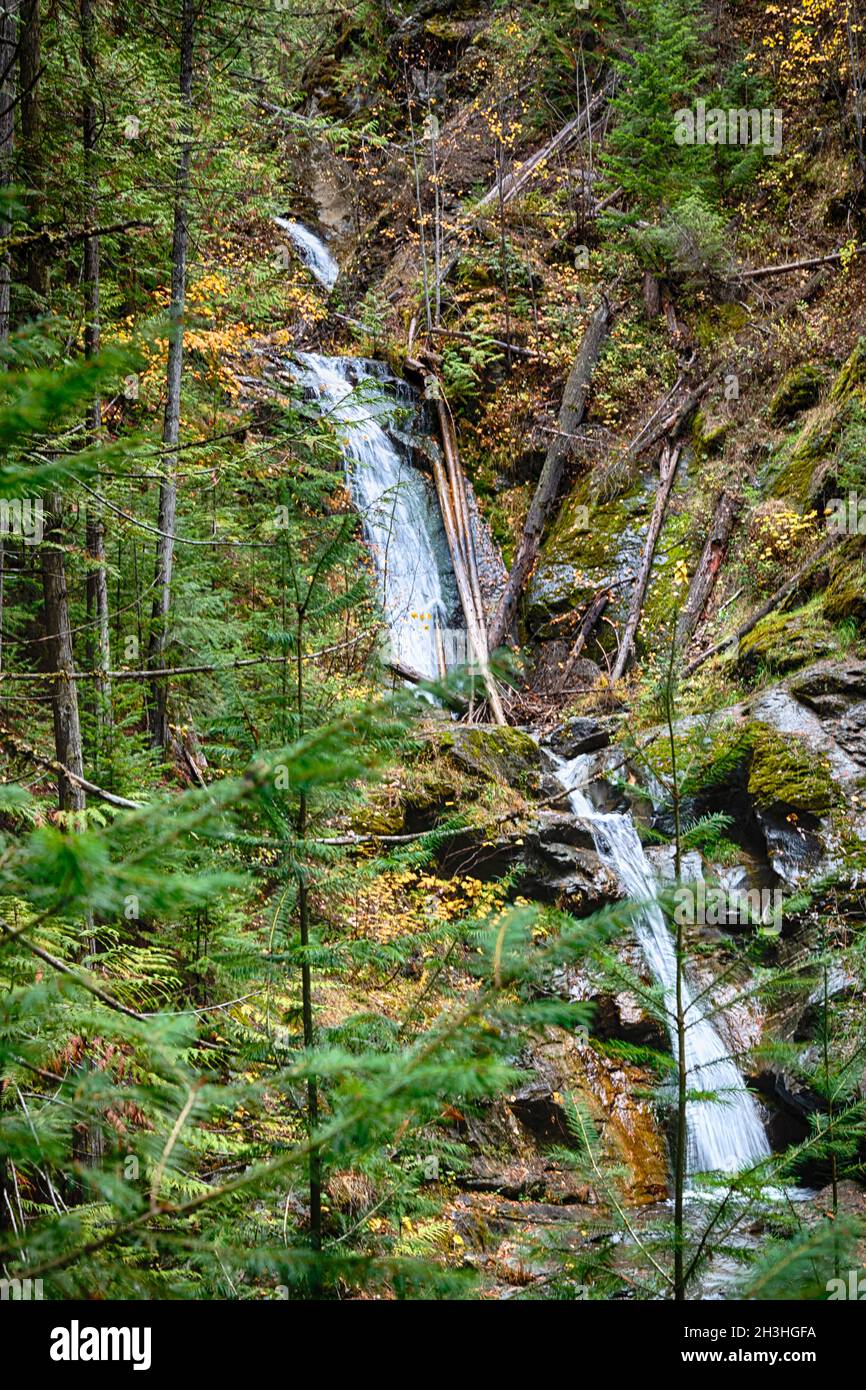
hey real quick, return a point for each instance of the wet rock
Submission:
(579, 735)
(560, 865)
(830, 687)
(510, 1141)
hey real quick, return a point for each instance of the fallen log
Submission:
(786, 267)
(725, 516)
(772, 602)
(451, 492)
(667, 473)
(570, 416)
(588, 622)
(517, 180)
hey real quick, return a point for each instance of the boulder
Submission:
(578, 735)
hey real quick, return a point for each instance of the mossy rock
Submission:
(845, 594)
(798, 468)
(785, 771)
(797, 391)
(592, 543)
(787, 641)
(851, 380)
(508, 757)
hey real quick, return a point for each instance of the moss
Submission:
(592, 543)
(505, 756)
(716, 325)
(796, 392)
(785, 641)
(785, 771)
(708, 437)
(845, 594)
(851, 380)
(798, 462)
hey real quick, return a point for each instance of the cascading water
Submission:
(312, 251)
(401, 518)
(724, 1135)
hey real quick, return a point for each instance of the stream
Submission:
(724, 1135)
(404, 531)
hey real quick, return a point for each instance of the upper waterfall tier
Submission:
(401, 518)
(312, 251)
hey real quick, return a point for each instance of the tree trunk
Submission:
(451, 490)
(158, 710)
(29, 68)
(8, 13)
(667, 473)
(570, 416)
(588, 622)
(715, 549)
(64, 697)
(97, 582)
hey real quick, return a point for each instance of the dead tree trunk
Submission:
(8, 12)
(715, 549)
(570, 416)
(451, 490)
(58, 632)
(97, 582)
(32, 145)
(667, 473)
(783, 592)
(158, 710)
(508, 188)
(588, 622)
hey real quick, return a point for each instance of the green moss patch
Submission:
(845, 594)
(785, 771)
(797, 391)
(786, 641)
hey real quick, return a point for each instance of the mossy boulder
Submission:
(786, 641)
(508, 757)
(851, 380)
(845, 594)
(800, 467)
(787, 772)
(593, 542)
(797, 391)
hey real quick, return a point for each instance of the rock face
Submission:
(511, 1139)
(505, 755)
(560, 865)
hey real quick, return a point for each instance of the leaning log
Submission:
(511, 186)
(725, 516)
(588, 622)
(784, 591)
(570, 416)
(451, 491)
(667, 473)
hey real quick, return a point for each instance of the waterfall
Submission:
(401, 517)
(724, 1135)
(312, 251)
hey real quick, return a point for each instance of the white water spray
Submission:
(724, 1134)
